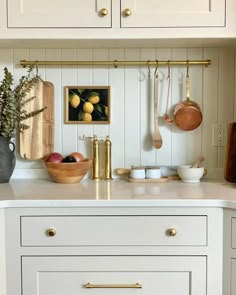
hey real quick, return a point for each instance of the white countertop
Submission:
(45, 193)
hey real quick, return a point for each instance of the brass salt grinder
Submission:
(96, 162)
(107, 164)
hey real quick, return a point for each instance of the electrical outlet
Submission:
(219, 134)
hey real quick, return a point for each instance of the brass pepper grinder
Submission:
(95, 149)
(107, 153)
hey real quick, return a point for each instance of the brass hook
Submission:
(115, 64)
(156, 69)
(149, 69)
(37, 67)
(187, 69)
(168, 64)
(37, 74)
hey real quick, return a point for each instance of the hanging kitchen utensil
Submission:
(157, 139)
(166, 117)
(187, 114)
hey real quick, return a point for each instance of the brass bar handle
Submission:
(130, 286)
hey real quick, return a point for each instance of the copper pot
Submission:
(187, 114)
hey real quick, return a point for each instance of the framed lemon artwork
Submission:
(87, 104)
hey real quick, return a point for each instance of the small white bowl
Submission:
(190, 175)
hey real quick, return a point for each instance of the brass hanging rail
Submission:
(114, 63)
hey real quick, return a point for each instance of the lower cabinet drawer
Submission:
(113, 230)
(233, 232)
(120, 275)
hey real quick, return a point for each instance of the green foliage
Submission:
(12, 102)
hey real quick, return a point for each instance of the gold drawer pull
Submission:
(172, 232)
(134, 286)
(51, 232)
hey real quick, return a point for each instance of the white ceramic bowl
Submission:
(191, 175)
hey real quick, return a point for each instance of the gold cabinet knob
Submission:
(127, 12)
(103, 12)
(51, 232)
(172, 232)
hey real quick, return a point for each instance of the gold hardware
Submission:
(96, 162)
(107, 144)
(172, 232)
(134, 286)
(103, 12)
(127, 12)
(115, 63)
(51, 232)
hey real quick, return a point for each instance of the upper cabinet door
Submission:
(172, 13)
(59, 13)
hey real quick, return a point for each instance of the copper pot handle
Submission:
(187, 85)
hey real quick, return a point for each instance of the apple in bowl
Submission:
(54, 157)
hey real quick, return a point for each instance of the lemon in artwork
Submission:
(88, 107)
(74, 100)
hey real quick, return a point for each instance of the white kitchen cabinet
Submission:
(59, 14)
(233, 276)
(99, 13)
(229, 286)
(54, 251)
(169, 13)
(152, 274)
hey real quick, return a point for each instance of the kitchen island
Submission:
(117, 237)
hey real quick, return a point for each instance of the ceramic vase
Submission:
(7, 159)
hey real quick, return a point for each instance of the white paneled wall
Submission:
(131, 127)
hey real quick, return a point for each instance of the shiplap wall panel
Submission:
(100, 78)
(53, 74)
(18, 73)
(68, 78)
(85, 76)
(163, 154)
(146, 105)
(226, 93)
(132, 110)
(131, 125)
(179, 137)
(194, 138)
(117, 127)
(209, 107)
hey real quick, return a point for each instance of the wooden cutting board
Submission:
(38, 140)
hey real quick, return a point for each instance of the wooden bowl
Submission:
(68, 172)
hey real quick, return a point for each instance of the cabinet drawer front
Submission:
(114, 231)
(233, 232)
(181, 13)
(155, 275)
(58, 14)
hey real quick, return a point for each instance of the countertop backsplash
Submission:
(132, 121)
